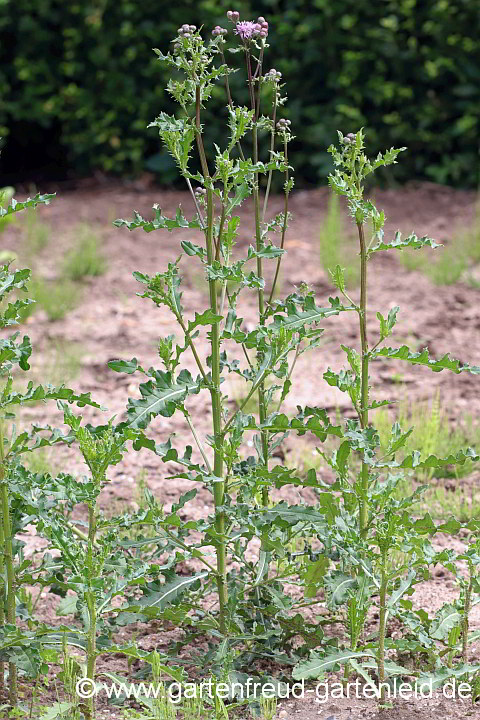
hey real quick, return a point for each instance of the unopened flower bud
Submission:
(199, 191)
(349, 139)
(261, 20)
(283, 125)
(273, 75)
(263, 34)
(192, 28)
(233, 16)
(217, 30)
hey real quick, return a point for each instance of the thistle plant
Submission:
(373, 519)
(93, 564)
(19, 488)
(285, 329)
(363, 544)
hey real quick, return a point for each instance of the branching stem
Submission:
(362, 313)
(219, 486)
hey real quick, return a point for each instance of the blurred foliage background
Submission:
(79, 82)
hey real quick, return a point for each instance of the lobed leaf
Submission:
(160, 396)
(423, 358)
(317, 666)
(170, 592)
(15, 206)
(159, 222)
(412, 241)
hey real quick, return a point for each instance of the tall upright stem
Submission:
(262, 409)
(8, 559)
(219, 485)
(364, 386)
(92, 610)
(284, 225)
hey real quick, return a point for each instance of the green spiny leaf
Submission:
(423, 358)
(159, 222)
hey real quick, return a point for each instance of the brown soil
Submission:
(111, 322)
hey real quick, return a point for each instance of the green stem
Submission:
(262, 409)
(199, 442)
(195, 202)
(364, 389)
(8, 560)
(230, 100)
(383, 625)
(466, 613)
(284, 225)
(219, 486)
(92, 611)
(79, 533)
(190, 343)
(290, 372)
(272, 148)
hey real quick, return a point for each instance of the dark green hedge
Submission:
(80, 78)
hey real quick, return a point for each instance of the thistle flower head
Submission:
(273, 76)
(283, 125)
(247, 29)
(217, 30)
(186, 30)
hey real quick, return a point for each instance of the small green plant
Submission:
(453, 263)
(268, 707)
(70, 673)
(37, 236)
(412, 260)
(450, 266)
(336, 243)
(85, 259)
(63, 362)
(432, 433)
(56, 298)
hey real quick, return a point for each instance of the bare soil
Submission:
(111, 322)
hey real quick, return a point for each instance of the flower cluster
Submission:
(283, 125)
(349, 139)
(186, 31)
(273, 76)
(247, 29)
(217, 30)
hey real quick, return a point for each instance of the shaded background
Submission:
(79, 83)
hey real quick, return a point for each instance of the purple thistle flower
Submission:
(247, 29)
